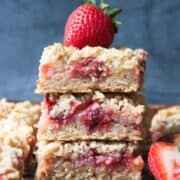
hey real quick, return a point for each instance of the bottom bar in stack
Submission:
(88, 160)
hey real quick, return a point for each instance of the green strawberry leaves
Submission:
(106, 8)
(93, 2)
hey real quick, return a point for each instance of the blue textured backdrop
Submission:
(26, 26)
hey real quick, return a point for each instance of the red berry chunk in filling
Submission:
(106, 160)
(49, 101)
(88, 68)
(95, 117)
(46, 71)
(76, 108)
(89, 111)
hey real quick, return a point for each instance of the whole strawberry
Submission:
(90, 25)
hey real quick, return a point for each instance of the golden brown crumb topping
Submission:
(123, 57)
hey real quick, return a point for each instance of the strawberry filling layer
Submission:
(46, 71)
(89, 111)
(108, 161)
(88, 68)
(92, 115)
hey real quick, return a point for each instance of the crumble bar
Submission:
(67, 69)
(88, 160)
(96, 116)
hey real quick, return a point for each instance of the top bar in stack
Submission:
(67, 69)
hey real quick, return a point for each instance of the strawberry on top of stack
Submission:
(89, 25)
(92, 118)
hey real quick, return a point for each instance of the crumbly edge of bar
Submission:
(65, 134)
(77, 86)
(170, 115)
(22, 112)
(5, 108)
(88, 174)
(47, 149)
(18, 125)
(11, 162)
(17, 135)
(119, 57)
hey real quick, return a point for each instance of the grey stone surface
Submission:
(26, 26)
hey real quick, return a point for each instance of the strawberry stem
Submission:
(106, 8)
(93, 2)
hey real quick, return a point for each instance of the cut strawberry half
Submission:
(164, 161)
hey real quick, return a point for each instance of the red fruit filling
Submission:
(105, 160)
(49, 102)
(92, 115)
(88, 68)
(46, 71)
(89, 111)
(76, 108)
(95, 117)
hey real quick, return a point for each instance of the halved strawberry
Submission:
(164, 161)
(91, 25)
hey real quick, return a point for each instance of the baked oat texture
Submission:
(128, 114)
(17, 136)
(165, 122)
(127, 70)
(52, 163)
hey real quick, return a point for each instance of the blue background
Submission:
(26, 26)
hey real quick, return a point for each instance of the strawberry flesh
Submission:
(90, 113)
(164, 161)
(96, 118)
(105, 160)
(88, 68)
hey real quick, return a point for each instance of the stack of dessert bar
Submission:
(92, 119)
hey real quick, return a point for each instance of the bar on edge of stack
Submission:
(17, 137)
(166, 121)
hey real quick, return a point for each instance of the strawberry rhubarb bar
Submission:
(88, 160)
(17, 137)
(97, 116)
(67, 69)
(165, 122)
